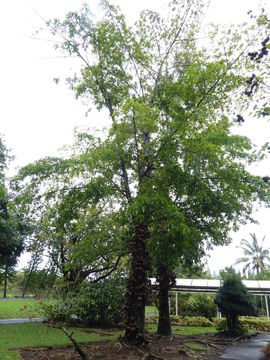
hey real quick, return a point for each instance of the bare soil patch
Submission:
(159, 348)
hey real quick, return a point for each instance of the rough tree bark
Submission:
(138, 287)
(166, 280)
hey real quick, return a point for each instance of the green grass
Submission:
(194, 346)
(184, 330)
(17, 336)
(14, 308)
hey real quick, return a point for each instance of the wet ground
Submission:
(248, 349)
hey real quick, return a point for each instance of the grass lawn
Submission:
(34, 335)
(194, 346)
(184, 330)
(14, 308)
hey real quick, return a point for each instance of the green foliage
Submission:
(4, 157)
(12, 229)
(169, 161)
(40, 282)
(58, 310)
(168, 103)
(239, 329)
(264, 275)
(195, 305)
(191, 270)
(221, 324)
(201, 305)
(234, 300)
(96, 304)
(198, 321)
(81, 231)
(101, 303)
(257, 323)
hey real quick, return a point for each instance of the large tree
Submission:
(176, 169)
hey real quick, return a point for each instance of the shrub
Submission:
(199, 321)
(256, 323)
(260, 324)
(234, 300)
(101, 303)
(58, 310)
(93, 304)
(202, 305)
(195, 305)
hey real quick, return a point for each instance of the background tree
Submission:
(78, 233)
(258, 83)
(4, 228)
(256, 257)
(12, 229)
(234, 300)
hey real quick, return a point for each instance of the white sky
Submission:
(37, 117)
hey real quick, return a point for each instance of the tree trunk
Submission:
(43, 281)
(53, 280)
(5, 283)
(29, 277)
(166, 279)
(137, 288)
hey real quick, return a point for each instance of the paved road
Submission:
(21, 321)
(250, 349)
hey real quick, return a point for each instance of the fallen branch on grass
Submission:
(71, 338)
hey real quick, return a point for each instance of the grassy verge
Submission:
(184, 330)
(19, 308)
(17, 336)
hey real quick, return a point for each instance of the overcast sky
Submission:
(37, 117)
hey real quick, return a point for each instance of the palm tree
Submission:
(255, 257)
